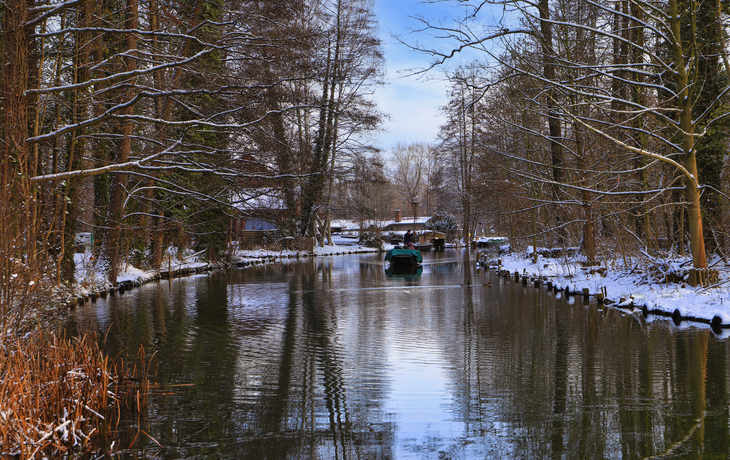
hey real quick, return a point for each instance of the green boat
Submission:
(401, 258)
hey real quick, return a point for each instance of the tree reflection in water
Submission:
(334, 358)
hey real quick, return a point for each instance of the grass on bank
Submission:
(63, 397)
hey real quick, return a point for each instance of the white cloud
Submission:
(414, 109)
(413, 103)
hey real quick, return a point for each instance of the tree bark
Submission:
(555, 130)
(15, 164)
(119, 183)
(684, 104)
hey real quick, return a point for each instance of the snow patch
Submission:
(634, 284)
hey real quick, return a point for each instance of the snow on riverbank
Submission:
(635, 285)
(342, 246)
(91, 276)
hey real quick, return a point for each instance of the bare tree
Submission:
(409, 171)
(653, 89)
(462, 139)
(364, 190)
(350, 67)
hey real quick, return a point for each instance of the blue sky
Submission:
(412, 102)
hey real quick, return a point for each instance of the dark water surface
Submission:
(333, 358)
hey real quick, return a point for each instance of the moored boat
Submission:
(401, 258)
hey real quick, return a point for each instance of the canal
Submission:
(333, 357)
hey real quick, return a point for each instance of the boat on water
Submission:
(403, 259)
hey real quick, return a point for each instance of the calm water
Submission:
(333, 358)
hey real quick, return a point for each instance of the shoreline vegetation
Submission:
(652, 286)
(62, 397)
(92, 284)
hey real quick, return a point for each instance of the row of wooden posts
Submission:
(704, 277)
(538, 281)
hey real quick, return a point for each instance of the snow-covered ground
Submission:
(635, 285)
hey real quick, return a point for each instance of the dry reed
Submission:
(62, 397)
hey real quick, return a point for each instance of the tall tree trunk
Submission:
(119, 183)
(323, 142)
(15, 164)
(76, 146)
(554, 128)
(152, 226)
(284, 159)
(588, 245)
(463, 158)
(684, 104)
(36, 64)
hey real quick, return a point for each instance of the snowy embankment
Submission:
(632, 287)
(92, 281)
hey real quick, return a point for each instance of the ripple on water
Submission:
(333, 357)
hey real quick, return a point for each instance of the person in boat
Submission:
(409, 245)
(408, 239)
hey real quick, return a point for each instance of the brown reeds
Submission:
(61, 397)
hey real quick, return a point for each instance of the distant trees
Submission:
(320, 63)
(352, 54)
(410, 171)
(363, 190)
(463, 141)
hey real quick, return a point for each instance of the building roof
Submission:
(407, 221)
(354, 224)
(258, 199)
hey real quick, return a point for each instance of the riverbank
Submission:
(91, 280)
(641, 286)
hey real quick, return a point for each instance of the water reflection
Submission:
(335, 358)
(407, 274)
